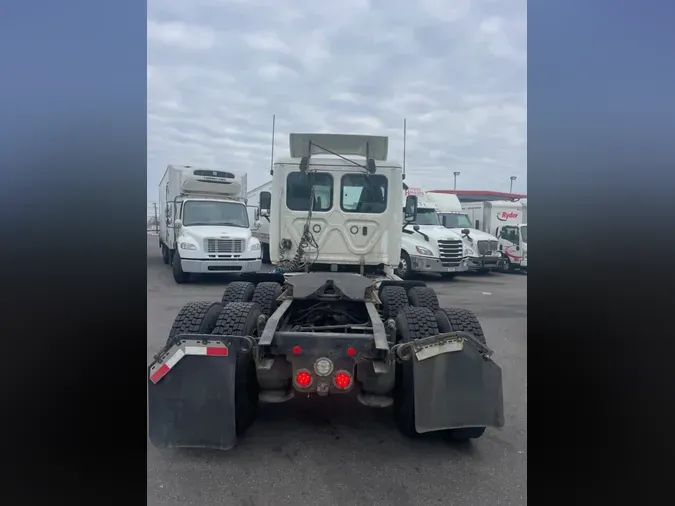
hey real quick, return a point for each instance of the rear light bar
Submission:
(171, 359)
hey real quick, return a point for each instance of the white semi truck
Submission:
(332, 319)
(427, 246)
(505, 220)
(480, 248)
(205, 225)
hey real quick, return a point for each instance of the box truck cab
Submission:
(481, 248)
(205, 226)
(504, 219)
(426, 245)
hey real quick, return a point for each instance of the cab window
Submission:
(298, 191)
(361, 193)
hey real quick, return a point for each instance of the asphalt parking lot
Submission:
(334, 451)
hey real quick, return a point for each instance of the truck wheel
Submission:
(178, 275)
(241, 319)
(265, 253)
(461, 320)
(394, 298)
(195, 318)
(411, 323)
(423, 296)
(266, 294)
(404, 267)
(238, 291)
(165, 254)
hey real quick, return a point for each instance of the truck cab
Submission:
(427, 246)
(331, 212)
(513, 241)
(480, 248)
(206, 224)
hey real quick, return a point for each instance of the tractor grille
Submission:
(450, 252)
(486, 247)
(224, 245)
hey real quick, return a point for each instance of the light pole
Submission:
(455, 174)
(513, 178)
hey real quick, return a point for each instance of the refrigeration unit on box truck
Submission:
(503, 219)
(204, 228)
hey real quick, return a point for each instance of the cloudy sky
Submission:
(456, 69)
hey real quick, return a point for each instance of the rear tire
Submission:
(266, 294)
(423, 296)
(394, 298)
(411, 323)
(265, 253)
(178, 275)
(238, 291)
(461, 320)
(166, 257)
(404, 267)
(241, 319)
(195, 318)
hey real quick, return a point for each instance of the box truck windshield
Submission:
(452, 220)
(214, 213)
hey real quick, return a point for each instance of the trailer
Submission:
(205, 227)
(331, 319)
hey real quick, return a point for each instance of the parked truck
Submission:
(205, 226)
(503, 219)
(332, 319)
(481, 249)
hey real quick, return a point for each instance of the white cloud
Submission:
(219, 69)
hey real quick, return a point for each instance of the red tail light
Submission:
(303, 379)
(351, 352)
(343, 380)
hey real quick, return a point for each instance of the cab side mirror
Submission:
(265, 203)
(410, 208)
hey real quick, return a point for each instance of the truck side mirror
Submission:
(465, 231)
(265, 202)
(410, 208)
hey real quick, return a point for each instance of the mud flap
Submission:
(193, 405)
(456, 386)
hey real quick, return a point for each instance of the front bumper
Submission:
(221, 266)
(430, 264)
(485, 262)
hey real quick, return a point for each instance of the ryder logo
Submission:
(506, 215)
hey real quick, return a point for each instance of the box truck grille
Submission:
(450, 252)
(224, 245)
(485, 247)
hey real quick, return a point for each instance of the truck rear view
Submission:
(333, 319)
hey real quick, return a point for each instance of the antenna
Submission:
(404, 139)
(274, 121)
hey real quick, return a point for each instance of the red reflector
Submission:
(297, 350)
(351, 352)
(159, 373)
(343, 380)
(303, 379)
(220, 352)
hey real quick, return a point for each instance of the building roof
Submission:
(482, 195)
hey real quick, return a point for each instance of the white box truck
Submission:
(481, 248)
(426, 245)
(204, 226)
(504, 219)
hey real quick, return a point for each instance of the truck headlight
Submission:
(424, 251)
(469, 252)
(188, 246)
(255, 246)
